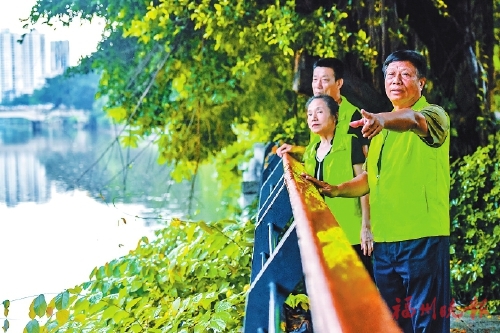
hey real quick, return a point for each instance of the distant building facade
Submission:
(25, 66)
(6, 66)
(34, 58)
(59, 59)
(18, 69)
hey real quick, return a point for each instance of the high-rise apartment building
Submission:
(33, 55)
(24, 66)
(6, 66)
(59, 59)
(18, 69)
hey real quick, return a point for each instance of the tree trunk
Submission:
(456, 71)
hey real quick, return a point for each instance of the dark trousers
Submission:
(413, 278)
(366, 260)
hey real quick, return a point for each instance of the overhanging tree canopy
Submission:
(192, 71)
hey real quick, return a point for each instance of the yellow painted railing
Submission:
(342, 296)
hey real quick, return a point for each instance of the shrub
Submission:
(192, 278)
(475, 229)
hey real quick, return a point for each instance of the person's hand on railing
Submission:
(287, 148)
(284, 148)
(366, 239)
(323, 187)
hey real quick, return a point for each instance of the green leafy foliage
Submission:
(39, 305)
(475, 217)
(6, 305)
(72, 91)
(192, 277)
(296, 300)
(192, 72)
(32, 327)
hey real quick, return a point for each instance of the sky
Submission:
(82, 37)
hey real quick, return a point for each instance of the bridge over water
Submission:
(38, 114)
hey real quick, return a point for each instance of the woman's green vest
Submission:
(409, 186)
(337, 168)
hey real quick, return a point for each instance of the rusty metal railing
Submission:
(342, 296)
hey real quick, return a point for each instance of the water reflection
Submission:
(22, 178)
(94, 162)
(64, 197)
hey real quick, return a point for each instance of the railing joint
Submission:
(273, 231)
(264, 257)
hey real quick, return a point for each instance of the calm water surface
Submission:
(70, 200)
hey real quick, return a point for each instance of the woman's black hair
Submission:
(331, 104)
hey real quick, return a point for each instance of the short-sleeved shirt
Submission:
(437, 124)
(357, 130)
(357, 155)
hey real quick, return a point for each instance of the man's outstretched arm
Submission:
(399, 121)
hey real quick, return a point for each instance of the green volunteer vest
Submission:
(409, 186)
(337, 168)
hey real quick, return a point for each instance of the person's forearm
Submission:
(355, 187)
(365, 210)
(366, 235)
(405, 120)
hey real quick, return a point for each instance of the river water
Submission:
(71, 200)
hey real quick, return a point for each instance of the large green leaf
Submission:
(40, 305)
(6, 325)
(32, 327)
(62, 300)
